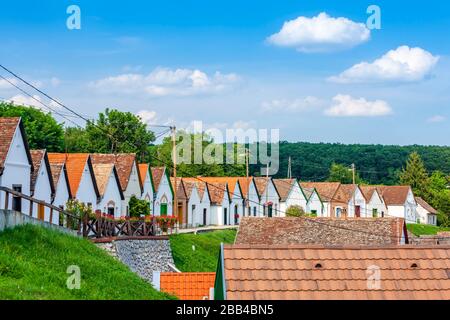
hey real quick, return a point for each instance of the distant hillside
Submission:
(34, 261)
(376, 164)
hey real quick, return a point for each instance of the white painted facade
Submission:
(221, 212)
(358, 199)
(133, 189)
(296, 197)
(376, 206)
(425, 216)
(253, 201)
(315, 205)
(86, 191)
(408, 210)
(164, 196)
(61, 194)
(111, 201)
(148, 191)
(236, 205)
(194, 209)
(17, 170)
(43, 191)
(270, 195)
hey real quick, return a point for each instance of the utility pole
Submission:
(247, 204)
(174, 160)
(353, 173)
(353, 178)
(289, 173)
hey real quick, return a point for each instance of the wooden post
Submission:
(6, 200)
(31, 207)
(51, 215)
(174, 160)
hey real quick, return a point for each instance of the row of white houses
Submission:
(106, 182)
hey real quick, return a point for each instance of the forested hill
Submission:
(376, 164)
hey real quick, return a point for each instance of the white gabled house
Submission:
(269, 198)
(16, 164)
(314, 205)
(110, 191)
(355, 202)
(291, 194)
(375, 203)
(195, 213)
(147, 185)
(41, 186)
(427, 214)
(253, 200)
(62, 188)
(128, 171)
(400, 202)
(163, 191)
(219, 196)
(82, 183)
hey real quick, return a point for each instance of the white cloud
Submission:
(347, 106)
(403, 64)
(148, 117)
(320, 33)
(297, 105)
(436, 118)
(165, 82)
(26, 101)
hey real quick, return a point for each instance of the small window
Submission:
(374, 212)
(314, 213)
(254, 211)
(111, 211)
(17, 201)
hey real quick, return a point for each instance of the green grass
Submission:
(425, 229)
(34, 261)
(206, 254)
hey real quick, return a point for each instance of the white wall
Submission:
(270, 195)
(411, 215)
(148, 191)
(195, 209)
(43, 191)
(295, 198)
(86, 190)
(376, 202)
(314, 203)
(253, 201)
(357, 200)
(61, 195)
(17, 170)
(218, 211)
(426, 217)
(133, 189)
(236, 205)
(164, 195)
(111, 197)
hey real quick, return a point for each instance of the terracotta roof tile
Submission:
(284, 187)
(36, 156)
(326, 231)
(143, 170)
(394, 195)
(425, 205)
(230, 181)
(7, 129)
(157, 174)
(261, 184)
(293, 272)
(123, 162)
(326, 190)
(102, 172)
(56, 169)
(201, 186)
(368, 191)
(188, 285)
(75, 163)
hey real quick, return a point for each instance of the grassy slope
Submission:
(424, 229)
(34, 260)
(204, 257)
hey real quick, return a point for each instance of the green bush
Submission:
(295, 211)
(138, 207)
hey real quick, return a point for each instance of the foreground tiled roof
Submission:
(326, 190)
(75, 163)
(425, 205)
(336, 273)
(37, 157)
(188, 285)
(326, 231)
(124, 164)
(394, 195)
(284, 187)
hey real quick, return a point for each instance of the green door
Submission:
(164, 209)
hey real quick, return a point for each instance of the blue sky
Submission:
(244, 64)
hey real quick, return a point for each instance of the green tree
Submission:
(76, 140)
(138, 207)
(415, 175)
(295, 211)
(42, 130)
(116, 131)
(342, 174)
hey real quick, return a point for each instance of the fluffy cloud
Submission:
(347, 106)
(26, 101)
(436, 118)
(148, 117)
(296, 105)
(165, 82)
(320, 33)
(403, 64)
(5, 84)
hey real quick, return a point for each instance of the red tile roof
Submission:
(8, 127)
(336, 273)
(368, 191)
(425, 205)
(284, 187)
(143, 170)
(123, 162)
(326, 231)
(36, 156)
(75, 164)
(157, 174)
(394, 195)
(261, 184)
(326, 190)
(188, 285)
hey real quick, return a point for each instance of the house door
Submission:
(358, 211)
(204, 216)
(164, 209)
(269, 211)
(41, 210)
(236, 214)
(225, 214)
(17, 201)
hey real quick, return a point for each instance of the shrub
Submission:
(138, 207)
(295, 211)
